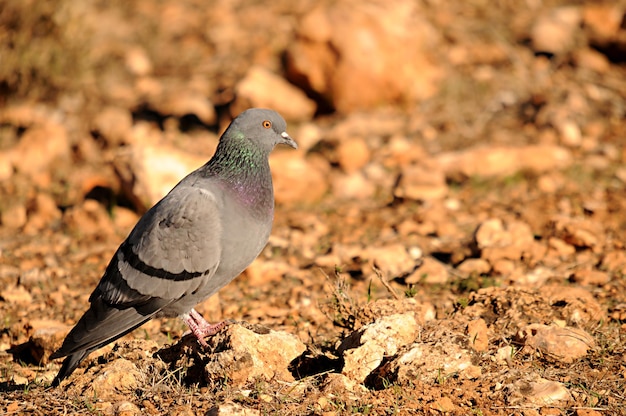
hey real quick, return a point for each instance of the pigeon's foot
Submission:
(200, 327)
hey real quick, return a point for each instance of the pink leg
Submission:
(200, 327)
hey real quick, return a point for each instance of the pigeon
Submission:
(190, 244)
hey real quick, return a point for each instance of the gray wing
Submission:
(172, 251)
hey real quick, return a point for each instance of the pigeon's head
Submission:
(264, 128)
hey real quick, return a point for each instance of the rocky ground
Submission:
(449, 238)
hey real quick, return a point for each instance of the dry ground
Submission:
(551, 250)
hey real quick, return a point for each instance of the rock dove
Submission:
(194, 241)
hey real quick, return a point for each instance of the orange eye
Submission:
(267, 124)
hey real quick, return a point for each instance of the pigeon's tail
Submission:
(100, 325)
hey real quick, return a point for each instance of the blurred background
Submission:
(450, 146)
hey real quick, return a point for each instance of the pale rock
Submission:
(352, 154)
(431, 271)
(590, 277)
(499, 240)
(117, 378)
(554, 31)
(503, 267)
(342, 386)
(430, 363)
(39, 146)
(587, 412)
(6, 165)
(560, 248)
(296, 179)
(614, 261)
(13, 216)
(443, 405)
(576, 305)
(232, 409)
(16, 295)
(363, 351)
(352, 186)
(44, 212)
(422, 183)
(88, 218)
(475, 267)
(262, 88)
(137, 61)
(563, 344)
(477, 334)
(504, 161)
(46, 336)
(504, 355)
(126, 409)
(401, 151)
(535, 277)
(151, 168)
(393, 260)
(579, 232)
(335, 42)
(591, 59)
(537, 391)
(570, 133)
(249, 355)
(113, 124)
(604, 20)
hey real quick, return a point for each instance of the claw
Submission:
(200, 327)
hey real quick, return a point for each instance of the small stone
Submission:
(474, 267)
(126, 409)
(499, 240)
(431, 271)
(392, 260)
(262, 88)
(560, 248)
(352, 154)
(332, 52)
(16, 295)
(363, 351)
(554, 31)
(233, 409)
(538, 391)
(113, 124)
(421, 183)
(564, 344)
(153, 166)
(504, 355)
(604, 20)
(14, 216)
(443, 405)
(431, 363)
(46, 337)
(138, 61)
(590, 277)
(477, 333)
(119, 377)
(250, 356)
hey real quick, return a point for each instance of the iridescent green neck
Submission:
(245, 169)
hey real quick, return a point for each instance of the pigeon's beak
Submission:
(288, 140)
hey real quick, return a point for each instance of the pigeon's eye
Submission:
(267, 124)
